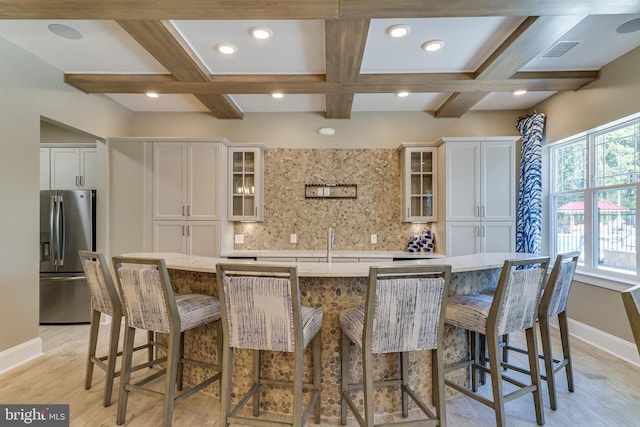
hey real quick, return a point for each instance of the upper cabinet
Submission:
(419, 182)
(72, 168)
(479, 187)
(186, 177)
(246, 183)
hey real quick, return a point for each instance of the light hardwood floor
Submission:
(607, 391)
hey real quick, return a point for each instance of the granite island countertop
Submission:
(277, 253)
(482, 261)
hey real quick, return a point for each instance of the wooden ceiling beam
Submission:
(166, 45)
(308, 9)
(345, 40)
(534, 35)
(169, 9)
(163, 42)
(466, 8)
(310, 84)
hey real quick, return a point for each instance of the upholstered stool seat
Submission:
(261, 310)
(404, 312)
(105, 299)
(151, 304)
(513, 307)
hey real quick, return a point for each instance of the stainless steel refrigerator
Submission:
(67, 225)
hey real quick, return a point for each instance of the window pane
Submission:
(616, 156)
(569, 211)
(615, 223)
(569, 166)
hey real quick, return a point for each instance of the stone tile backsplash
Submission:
(376, 172)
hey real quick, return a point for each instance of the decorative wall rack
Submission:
(330, 191)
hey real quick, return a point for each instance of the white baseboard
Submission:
(20, 354)
(611, 344)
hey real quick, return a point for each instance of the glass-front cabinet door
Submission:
(419, 170)
(246, 183)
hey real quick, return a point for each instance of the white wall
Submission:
(30, 89)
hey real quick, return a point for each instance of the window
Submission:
(594, 183)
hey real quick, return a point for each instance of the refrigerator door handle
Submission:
(53, 233)
(61, 231)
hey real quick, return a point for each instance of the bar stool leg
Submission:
(225, 387)
(437, 384)
(93, 342)
(173, 362)
(180, 365)
(404, 372)
(532, 350)
(298, 366)
(566, 349)
(257, 369)
(344, 367)
(547, 352)
(317, 374)
(367, 377)
(114, 338)
(496, 378)
(125, 376)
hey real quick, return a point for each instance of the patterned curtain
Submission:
(529, 222)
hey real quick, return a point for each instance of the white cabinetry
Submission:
(419, 182)
(45, 169)
(188, 237)
(480, 195)
(72, 168)
(246, 183)
(187, 178)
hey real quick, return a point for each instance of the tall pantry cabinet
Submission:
(479, 188)
(187, 196)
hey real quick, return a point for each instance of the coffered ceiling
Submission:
(329, 56)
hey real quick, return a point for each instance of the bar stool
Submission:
(105, 299)
(403, 312)
(151, 304)
(631, 301)
(554, 303)
(513, 307)
(261, 310)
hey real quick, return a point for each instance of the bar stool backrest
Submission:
(556, 292)
(515, 305)
(105, 297)
(147, 295)
(405, 313)
(262, 307)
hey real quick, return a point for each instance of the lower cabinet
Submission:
(466, 238)
(201, 238)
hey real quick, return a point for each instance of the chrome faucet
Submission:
(331, 243)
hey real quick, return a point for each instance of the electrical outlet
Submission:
(238, 238)
(374, 238)
(293, 238)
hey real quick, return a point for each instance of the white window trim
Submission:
(595, 278)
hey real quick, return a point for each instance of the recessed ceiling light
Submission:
(327, 131)
(519, 92)
(629, 26)
(402, 94)
(65, 31)
(261, 33)
(400, 30)
(226, 48)
(277, 95)
(433, 45)
(152, 94)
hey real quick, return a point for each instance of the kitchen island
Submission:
(332, 287)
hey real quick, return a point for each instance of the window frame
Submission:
(589, 269)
